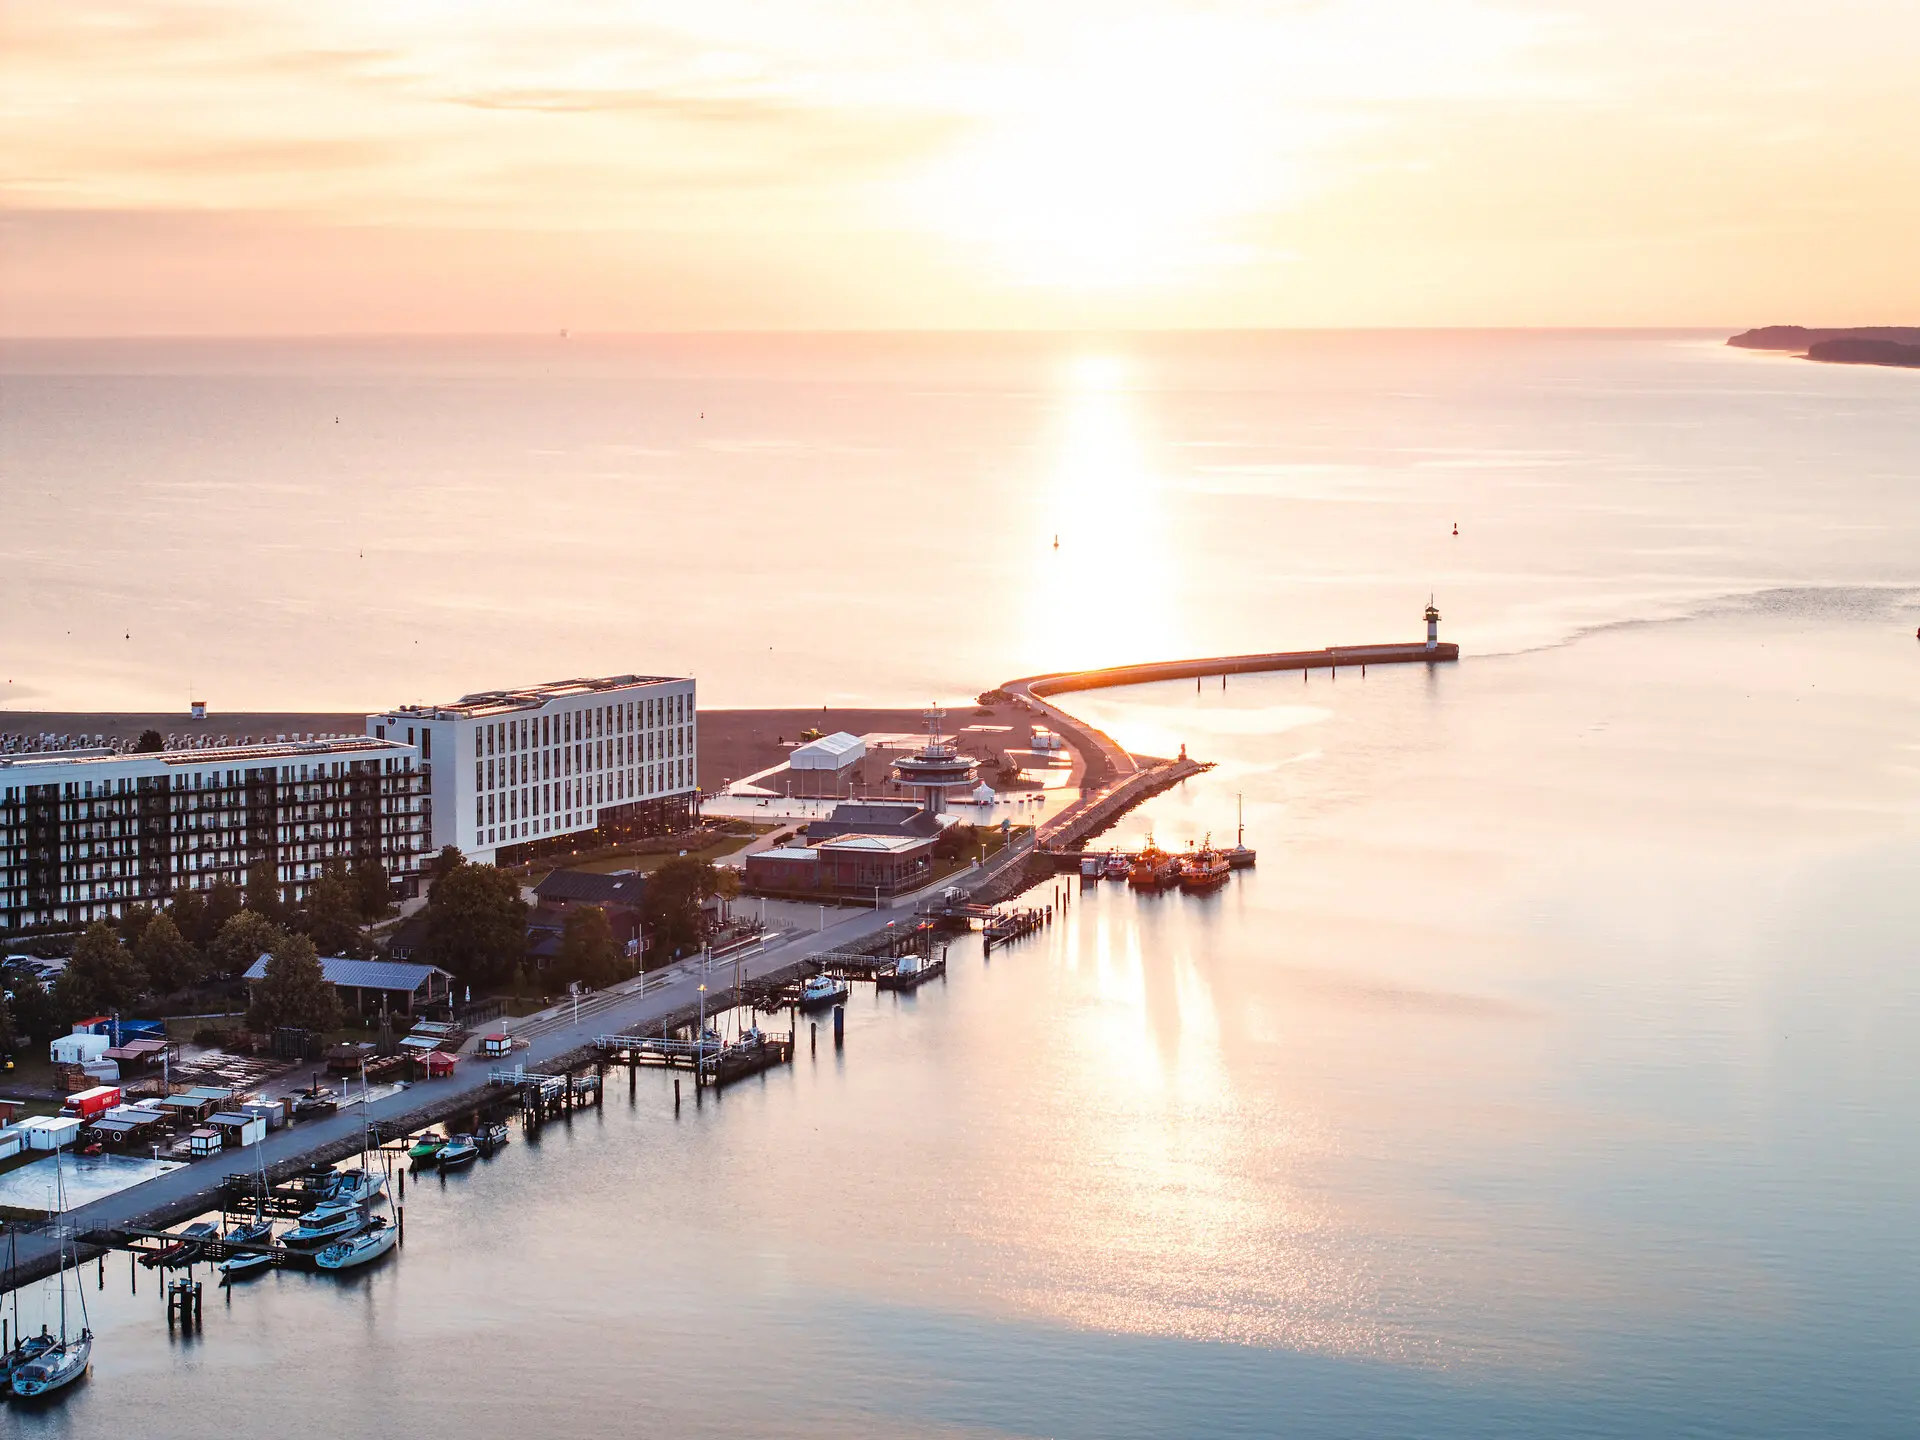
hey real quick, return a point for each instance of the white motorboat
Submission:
(358, 1187)
(458, 1151)
(324, 1224)
(378, 1238)
(817, 992)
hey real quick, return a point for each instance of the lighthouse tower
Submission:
(1433, 624)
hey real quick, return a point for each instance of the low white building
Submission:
(830, 752)
(516, 774)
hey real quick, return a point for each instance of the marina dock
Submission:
(564, 1065)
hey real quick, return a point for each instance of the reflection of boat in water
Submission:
(460, 1150)
(817, 992)
(376, 1240)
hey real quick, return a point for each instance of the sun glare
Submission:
(1121, 168)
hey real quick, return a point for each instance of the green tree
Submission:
(36, 1018)
(373, 891)
(101, 976)
(189, 912)
(957, 842)
(670, 905)
(295, 990)
(476, 924)
(332, 915)
(263, 891)
(241, 941)
(133, 923)
(170, 960)
(224, 901)
(445, 863)
(588, 951)
(151, 742)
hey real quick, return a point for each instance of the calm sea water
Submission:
(1552, 1075)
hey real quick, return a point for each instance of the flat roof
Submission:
(530, 697)
(355, 745)
(882, 844)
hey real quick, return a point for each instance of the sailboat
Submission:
(25, 1347)
(373, 1242)
(257, 1231)
(1240, 857)
(66, 1360)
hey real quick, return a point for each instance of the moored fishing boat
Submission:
(1153, 868)
(1206, 869)
(493, 1137)
(376, 1240)
(817, 992)
(1118, 866)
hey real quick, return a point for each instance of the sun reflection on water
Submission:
(1117, 564)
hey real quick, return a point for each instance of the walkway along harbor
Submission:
(597, 1033)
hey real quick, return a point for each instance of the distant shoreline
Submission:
(1897, 346)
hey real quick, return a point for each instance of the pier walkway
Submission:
(1110, 770)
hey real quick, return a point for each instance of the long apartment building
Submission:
(86, 835)
(516, 774)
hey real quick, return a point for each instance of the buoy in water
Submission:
(1456, 527)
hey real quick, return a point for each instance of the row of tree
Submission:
(149, 954)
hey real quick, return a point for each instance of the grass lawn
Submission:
(647, 864)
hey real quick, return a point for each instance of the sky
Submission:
(469, 166)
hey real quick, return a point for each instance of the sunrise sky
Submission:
(467, 166)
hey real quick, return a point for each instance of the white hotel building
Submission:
(85, 835)
(515, 774)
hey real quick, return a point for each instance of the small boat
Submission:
(1118, 866)
(29, 1349)
(1153, 868)
(493, 1137)
(426, 1150)
(460, 1150)
(186, 1249)
(820, 991)
(1206, 869)
(324, 1224)
(1240, 857)
(239, 1267)
(376, 1240)
(314, 1102)
(358, 1187)
(60, 1366)
(58, 1363)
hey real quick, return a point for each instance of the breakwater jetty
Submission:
(1115, 780)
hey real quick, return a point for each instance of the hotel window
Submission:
(479, 743)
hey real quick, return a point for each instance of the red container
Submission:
(97, 1101)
